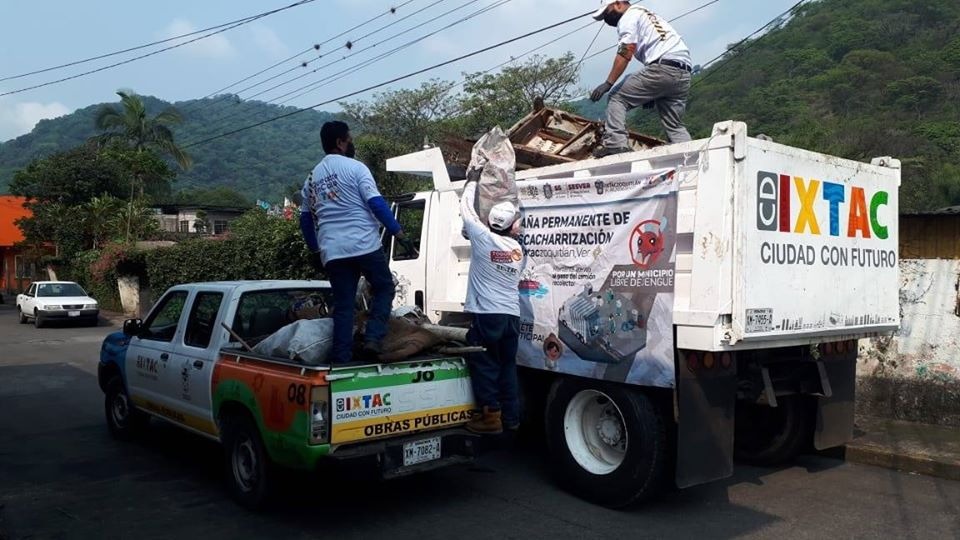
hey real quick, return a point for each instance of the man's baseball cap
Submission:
(604, 4)
(502, 216)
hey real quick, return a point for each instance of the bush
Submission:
(258, 247)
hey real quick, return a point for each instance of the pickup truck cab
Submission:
(56, 301)
(181, 364)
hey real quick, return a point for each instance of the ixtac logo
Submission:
(369, 401)
(775, 200)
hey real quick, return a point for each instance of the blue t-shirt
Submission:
(336, 193)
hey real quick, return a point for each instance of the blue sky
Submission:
(48, 32)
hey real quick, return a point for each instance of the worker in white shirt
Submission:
(493, 300)
(340, 218)
(664, 83)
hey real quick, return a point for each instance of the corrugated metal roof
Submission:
(11, 209)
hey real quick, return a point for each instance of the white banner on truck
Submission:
(597, 291)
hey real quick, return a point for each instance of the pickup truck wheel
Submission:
(767, 436)
(123, 419)
(249, 471)
(607, 443)
(37, 321)
(20, 316)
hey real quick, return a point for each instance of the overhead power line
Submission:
(328, 64)
(392, 81)
(131, 49)
(152, 53)
(349, 71)
(743, 41)
(315, 47)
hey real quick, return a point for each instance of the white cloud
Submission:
(215, 46)
(267, 40)
(19, 118)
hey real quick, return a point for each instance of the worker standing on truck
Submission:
(493, 299)
(663, 84)
(340, 217)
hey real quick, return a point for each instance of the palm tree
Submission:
(131, 126)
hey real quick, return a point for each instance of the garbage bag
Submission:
(307, 341)
(492, 165)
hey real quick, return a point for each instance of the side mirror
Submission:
(132, 327)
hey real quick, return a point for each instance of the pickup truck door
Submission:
(152, 366)
(197, 351)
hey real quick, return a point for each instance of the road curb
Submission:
(890, 459)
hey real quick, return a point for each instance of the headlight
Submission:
(51, 307)
(319, 420)
(89, 306)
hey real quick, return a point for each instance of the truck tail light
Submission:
(320, 415)
(709, 360)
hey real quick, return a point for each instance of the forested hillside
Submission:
(853, 78)
(263, 162)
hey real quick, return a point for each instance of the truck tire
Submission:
(766, 436)
(607, 443)
(123, 419)
(248, 467)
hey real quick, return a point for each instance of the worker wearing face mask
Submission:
(340, 218)
(663, 84)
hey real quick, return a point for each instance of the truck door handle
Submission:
(164, 356)
(198, 364)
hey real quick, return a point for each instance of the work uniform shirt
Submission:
(336, 192)
(654, 37)
(496, 261)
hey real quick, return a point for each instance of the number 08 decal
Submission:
(297, 393)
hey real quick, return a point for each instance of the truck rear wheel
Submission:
(607, 443)
(248, 467)
(123, 419)
(772, 435)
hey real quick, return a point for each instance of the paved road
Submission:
(61, 476)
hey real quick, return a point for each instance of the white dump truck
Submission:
(681, 304)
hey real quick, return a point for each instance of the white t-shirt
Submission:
(496, 262)
(654, 37)
(336, 192)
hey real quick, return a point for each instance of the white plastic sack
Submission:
(492, 164)
(307, 341)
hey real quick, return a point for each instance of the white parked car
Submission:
(57, 301)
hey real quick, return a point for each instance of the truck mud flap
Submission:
(706, 402)
(835, 410)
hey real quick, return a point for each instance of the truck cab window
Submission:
(261, 313)
(162, 323)
(410, 215)
(203, 317)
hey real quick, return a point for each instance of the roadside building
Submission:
(16, 273)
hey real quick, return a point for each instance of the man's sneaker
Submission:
(604, 151)
(486, 422)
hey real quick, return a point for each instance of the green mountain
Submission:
(262, 162)
(852, 78)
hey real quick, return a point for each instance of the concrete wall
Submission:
(915, 374)
(928, 344)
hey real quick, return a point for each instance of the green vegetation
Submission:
(852, 78)
(263, 162)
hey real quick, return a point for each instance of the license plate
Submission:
(73, 313)
(421, 451)
(759, 321)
